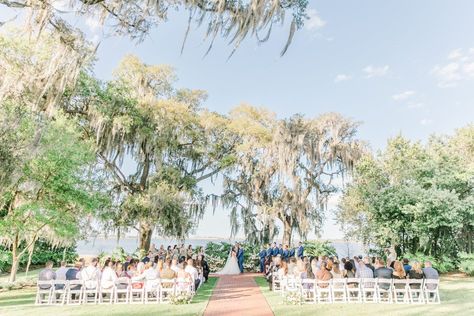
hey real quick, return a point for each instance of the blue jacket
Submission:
(269, 252)
(300, 251)
(240, 255)
(263, 254)
(292, 252)
(274, 252)
(286, 253)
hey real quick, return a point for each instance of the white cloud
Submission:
(373, 71)
(314, 22)
(460, 67)
(426, 122)
(403, 95)
(342, 77)
(415, 105)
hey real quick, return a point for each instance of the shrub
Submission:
(443, 264)
(319, 248)
(466, 263)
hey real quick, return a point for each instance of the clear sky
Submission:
(400, 67)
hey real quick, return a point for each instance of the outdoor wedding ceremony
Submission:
(236, 157)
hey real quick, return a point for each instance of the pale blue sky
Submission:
(397, 66)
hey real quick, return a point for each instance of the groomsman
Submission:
(262, 255)
(300, 251)
(274, 250)
(280, 250)
(292, 252)
(269, 250)
(286, 252)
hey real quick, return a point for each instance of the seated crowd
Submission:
(325, 270)
(188, 268)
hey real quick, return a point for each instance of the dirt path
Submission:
(237, 295)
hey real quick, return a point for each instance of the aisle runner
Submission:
(237, 295)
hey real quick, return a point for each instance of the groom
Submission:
(240, 257)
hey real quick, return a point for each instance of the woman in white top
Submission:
(109, 276)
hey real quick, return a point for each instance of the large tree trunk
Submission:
(145, 236)
(287, 231)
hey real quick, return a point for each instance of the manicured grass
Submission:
(21, 302)
(457, 298)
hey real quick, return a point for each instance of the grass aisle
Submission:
(457, 298)
(21, 302)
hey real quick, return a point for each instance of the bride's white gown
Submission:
(231, 266)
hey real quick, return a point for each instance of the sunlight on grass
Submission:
(456, 299)
(21, 302)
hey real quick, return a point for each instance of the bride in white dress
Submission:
(231, 266)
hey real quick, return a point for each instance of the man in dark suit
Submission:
(300, 251)
(262, 254)
(274, 250)
(269, 250)
(280, 250)
(240, 257)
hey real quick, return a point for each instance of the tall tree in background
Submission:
(417, 198)
(232, 20)
(157, 143)
(286, 170)
(48, 191)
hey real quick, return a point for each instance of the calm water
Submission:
(94, 247)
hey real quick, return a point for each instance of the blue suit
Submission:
(275, 252)
(269, 252)
(300, 252)
(240, 259)
(286, 254)
(280, 251)
(292, 252)
(262, 255)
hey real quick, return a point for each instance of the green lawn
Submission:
(21, 302)
(457, 298)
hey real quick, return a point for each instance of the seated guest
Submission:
(348, 270)
(283, 270)
(122, 276)
(91, 274)
(61, 272)
(382, 272)
(363, 271)
(159, 267)
(307, 274)
(174, 265)
(398, 271)
(148, 257)
(406, 265)
(430, 273)
(193, 273)
(368, 264)
(336, 273)
(415, 273)
(109, 276)
(74, 273)
(128, 261)
(323, 274)
(292, 266)
(149, 272)
(47, 274)
(183, 278)
(167, 272)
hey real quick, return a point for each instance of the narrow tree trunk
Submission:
(30, 255)
(15, 259)
(287, 231)
(145, 237)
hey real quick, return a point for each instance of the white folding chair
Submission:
(74, 293)
(108, 291)
(291, 284)
(353, 290)
(276, 283)
(152, 289)
(415, 291)
(369, 290)
(184, 286)
(90, 291)
(431, 290)
(384, 290)
(339, 290)
(137, 292)
(323, 291)
(167, 289)
(59, 291)
(122, 290)
(308, 290)
(400, 291)
(44, 290)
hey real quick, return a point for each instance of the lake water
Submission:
(107, 245)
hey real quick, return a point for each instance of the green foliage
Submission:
(466, 263)
(443, 263)
(319, 248)
(217, 254)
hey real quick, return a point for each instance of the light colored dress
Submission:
(231, 266)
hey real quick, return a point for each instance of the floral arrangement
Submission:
(293, 298)
(180, 298)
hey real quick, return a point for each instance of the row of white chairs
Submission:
(361, 290)
(125, 291)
